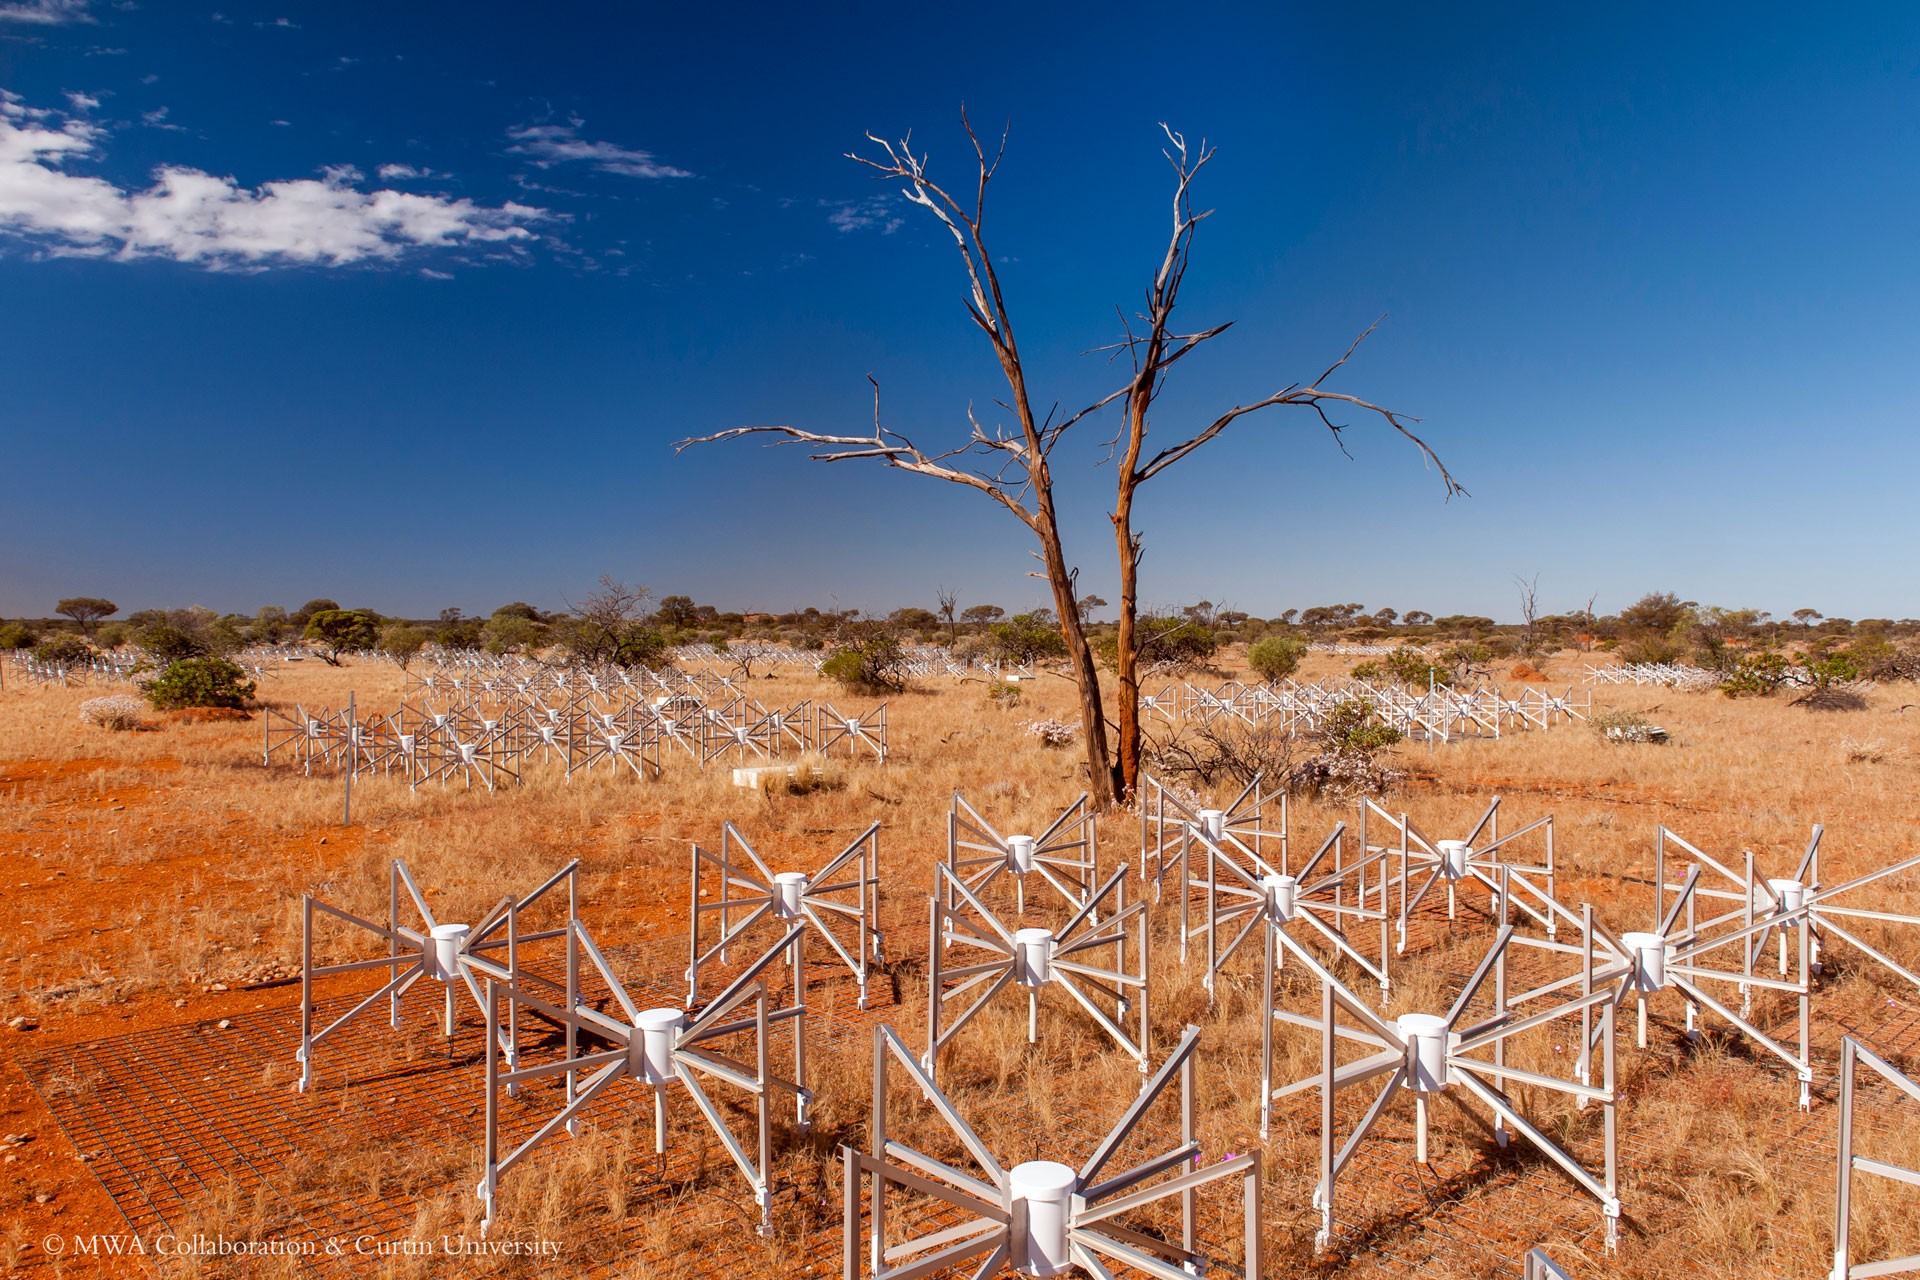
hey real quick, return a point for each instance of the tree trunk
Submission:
(1127, 655)
(1100, 772)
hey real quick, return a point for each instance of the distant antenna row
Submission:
(495, 740)
(1438, 714)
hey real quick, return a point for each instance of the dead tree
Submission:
(1154, 348)
(1529, 589)
(1015, 468)
(949, 603)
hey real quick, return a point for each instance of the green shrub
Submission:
(1464, 657)
(402, 641)
(338, 631)
(1276, 657)
(1833, 668)
(169, 643)
(15, 636)
(1652, 648)
(63, 648)
(1176, 643)
(1347, 764)
(1755, 675)
(1026, 637)
(1413, 668)
(1348, 729)
(641, 647)
(200, 682)
(1368, 671)
(876, 664)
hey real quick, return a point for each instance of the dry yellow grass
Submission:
(148, 867)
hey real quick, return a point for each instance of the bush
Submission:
(1413, 668)
(1228, 750)
(1026, 637)
(1652, 648)
(1052, 733)
(1755, 675)
(200, 682)
(117, 711)
(641, 647)
(65, 649)
(169, 643)
(1276, 657)
(15, 636)
(402, 641)
(1832, 697)
(1348, 729)
(1162, 644)
(338, 631)
(1465, 659)
(874, 665)
(1832, 668)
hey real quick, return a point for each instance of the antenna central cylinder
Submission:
(1214, 823)
(444, 954)
(1791, 893)
(650, 1053)
(1453, 858)
(1020, 854)
(1281, 892)
(1033, 957)
(1649, 955)
(1426, 1037)
(1045, 1188)
(787, 888)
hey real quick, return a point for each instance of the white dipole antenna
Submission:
(1274, 903)
(1852, 1052)
(442, 952)
(813, 899)
(1166, 820)
(868, 730)
(742, 728)
(657, 1048)
(1427, 1054)
(1794, 908)
(1035, 959)
(1066, 855)
(1469, 861)
(1041, 1218)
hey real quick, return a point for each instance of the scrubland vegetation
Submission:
(159, 873)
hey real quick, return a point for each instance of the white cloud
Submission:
(188, 215)
(82, 101)
(862, 215)
(546, 145)
(401, 172)
(431, 274)
(157, 119)
(47, 13)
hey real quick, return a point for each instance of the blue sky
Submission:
(405, 304)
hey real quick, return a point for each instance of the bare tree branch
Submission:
(902, 455)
